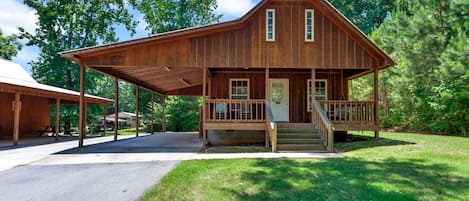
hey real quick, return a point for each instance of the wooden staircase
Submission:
(299, 137)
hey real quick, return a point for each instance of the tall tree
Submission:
(428, 88)
(168, 15)
(9, 46)
(72, 24)
(366, 14)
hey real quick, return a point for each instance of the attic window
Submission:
(270, 25)
(309, 25)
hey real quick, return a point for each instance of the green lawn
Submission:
(398, 167)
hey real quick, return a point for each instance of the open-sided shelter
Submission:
(25, 104)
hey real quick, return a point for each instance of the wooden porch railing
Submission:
(271, 126)
(350, 112)
(235, 111)
(324, 125)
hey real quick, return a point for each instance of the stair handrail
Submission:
(271, 126)
(324, 125)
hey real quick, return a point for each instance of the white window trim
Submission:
(312, 25)
(267, 25)
(309, 89)
(231, 86)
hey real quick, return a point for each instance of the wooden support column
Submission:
(204, 90)
(16, 118)
(116, 108)
(57, 119)
(313, 91)
(267, 96)
(104, 118)
(376, 96)
(152, 112)
(82, 123)
(163, 114)
(137, 125)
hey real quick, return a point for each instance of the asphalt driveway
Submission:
(121, 170)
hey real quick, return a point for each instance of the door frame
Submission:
(287, 81)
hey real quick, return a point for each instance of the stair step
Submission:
(298, 141)
(309, 147)
(299, 135)
(297, 130)
(295, 125)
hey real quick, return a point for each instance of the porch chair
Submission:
(341, 113)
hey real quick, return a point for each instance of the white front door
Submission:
(279, 99)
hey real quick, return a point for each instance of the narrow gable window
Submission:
(270, 25)
(309, 25)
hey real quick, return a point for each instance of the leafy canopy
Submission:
(9, 46)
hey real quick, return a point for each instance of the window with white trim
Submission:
(270, 25)
(239, 89)
(309, 25)
(321, 91)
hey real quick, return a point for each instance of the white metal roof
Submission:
(13, 74)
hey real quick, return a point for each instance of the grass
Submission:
(399, 167)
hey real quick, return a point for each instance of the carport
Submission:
(25, 104)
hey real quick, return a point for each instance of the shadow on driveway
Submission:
(157, 143)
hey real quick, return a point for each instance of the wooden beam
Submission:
(152, 112)
(82, 123)
(376, 96)
(16, 118)
(136, 111)
(57, 118)
(104, 119)
(266, 96)
(163, 114)
(204, 90)
(313, 90)
(116, 107)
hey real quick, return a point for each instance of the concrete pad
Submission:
(11, 156)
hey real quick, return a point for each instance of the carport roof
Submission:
(13, 78)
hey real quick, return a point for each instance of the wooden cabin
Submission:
(256, 73)
(25, 104)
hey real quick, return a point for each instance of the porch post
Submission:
(82, 123)
(204, 90)
(136, 111)
(116, 107)
(104, 119)
(16, 123)
(267, 95)
(152, 111)
(376, 96)
(57, 118)
(313, 91)
(163, 114)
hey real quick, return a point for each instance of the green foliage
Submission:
(183, 113)
(9, 46)
(169, 15)
(65, 25)
(366, 14)
(428, 89)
